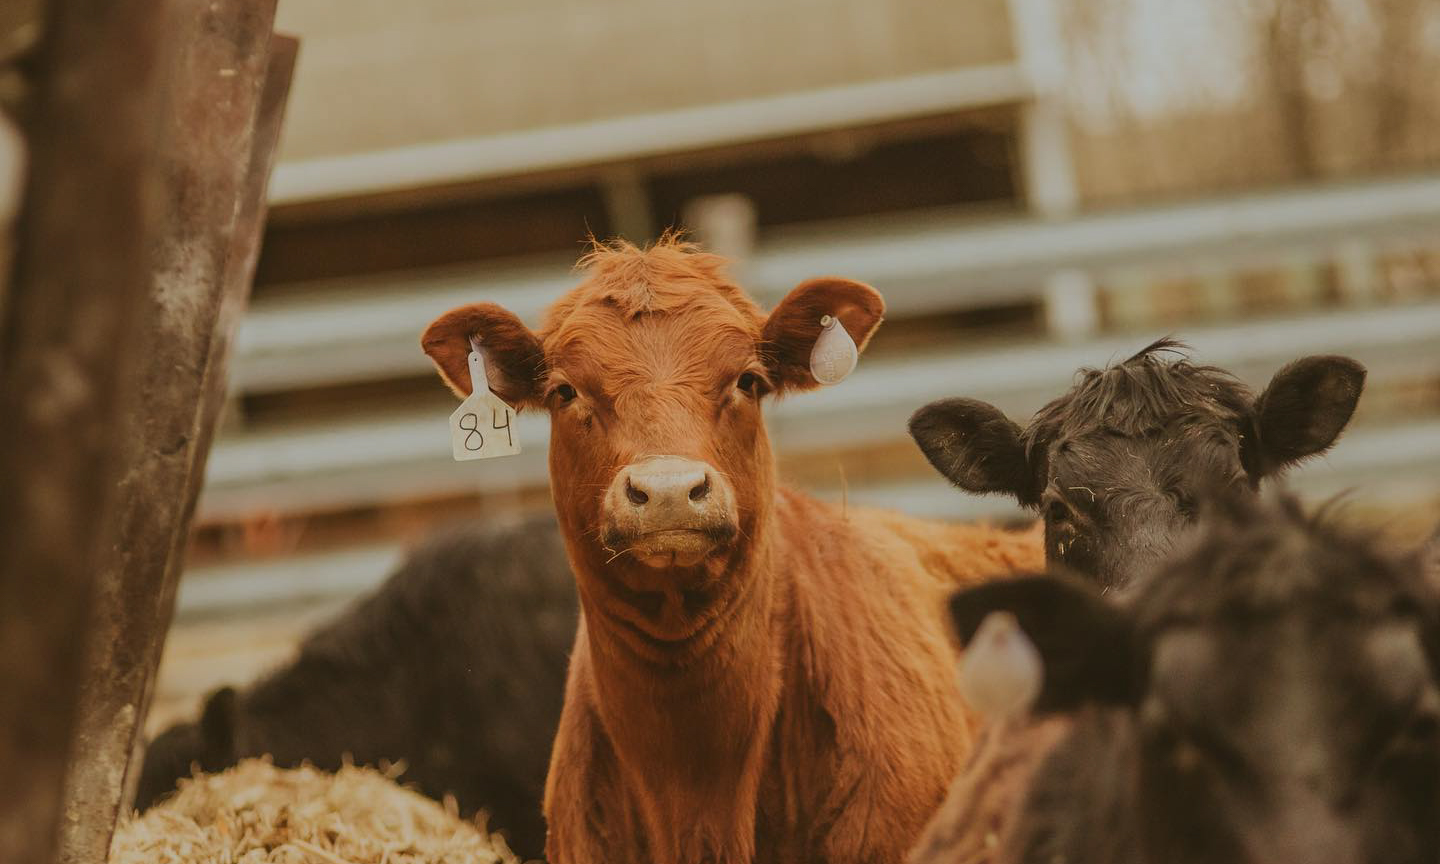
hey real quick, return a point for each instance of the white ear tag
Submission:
(1001, 672)
(483, 427)
(834, 356)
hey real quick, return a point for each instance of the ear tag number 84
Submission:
(483, 427)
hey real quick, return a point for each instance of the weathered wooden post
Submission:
(68, 351)
(231, 81)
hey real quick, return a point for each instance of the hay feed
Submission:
(256, 813)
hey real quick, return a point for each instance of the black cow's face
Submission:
(1281, 689)
(1114, 504)
(1325, 749)
(1115, 465)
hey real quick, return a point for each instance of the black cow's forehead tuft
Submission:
(1141, 395)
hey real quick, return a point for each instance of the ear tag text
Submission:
(834, 356)
(483, 427)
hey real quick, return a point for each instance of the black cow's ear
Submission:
(1303, 410)
(217, 729)
(976, 447)
(1087, 645)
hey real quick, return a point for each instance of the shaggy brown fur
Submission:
(790, 698)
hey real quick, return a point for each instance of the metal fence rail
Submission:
(372, 458)
(628, 138)
(1372, 462)
(923, 265)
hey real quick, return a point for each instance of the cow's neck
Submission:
(691, 736)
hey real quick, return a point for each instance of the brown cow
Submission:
(758, 676)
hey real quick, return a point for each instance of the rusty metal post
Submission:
(220, 134)
(235, 296)
(82, 273)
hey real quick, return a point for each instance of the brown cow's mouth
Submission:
(673, 547)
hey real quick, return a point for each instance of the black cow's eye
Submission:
(564, 392)
(1057, 511)
(749, 382)
(1423, 727)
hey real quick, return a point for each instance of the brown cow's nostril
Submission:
(635, 495)
(701, 490)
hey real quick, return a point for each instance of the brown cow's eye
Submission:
(748, 382)
(564, 392)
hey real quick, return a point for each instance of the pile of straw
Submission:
(256, 813)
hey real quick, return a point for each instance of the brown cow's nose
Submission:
(669, 509)
(667, 483)
(635, 495)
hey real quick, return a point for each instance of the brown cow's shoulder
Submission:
(868, 704)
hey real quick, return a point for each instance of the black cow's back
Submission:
(455, 666)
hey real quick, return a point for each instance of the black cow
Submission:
(1272, 696)
(455, 665)
(1115, 465)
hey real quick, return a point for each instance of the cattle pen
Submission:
(225, 226)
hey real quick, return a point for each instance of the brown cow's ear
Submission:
(791, 330)
(515, 362)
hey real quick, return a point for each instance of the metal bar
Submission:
(621, 138)
(1376, 461)
(239, 274)
(1047, 166)
(379, 457)
(938, 264)
(216, 166)
(70, 346)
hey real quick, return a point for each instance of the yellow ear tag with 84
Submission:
(483, 427)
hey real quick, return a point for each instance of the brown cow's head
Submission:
(653, 370)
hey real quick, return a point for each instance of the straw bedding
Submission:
(256, 813)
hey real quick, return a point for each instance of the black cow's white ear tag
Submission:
(834, 356)
(1001, 670)
(483, 427)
